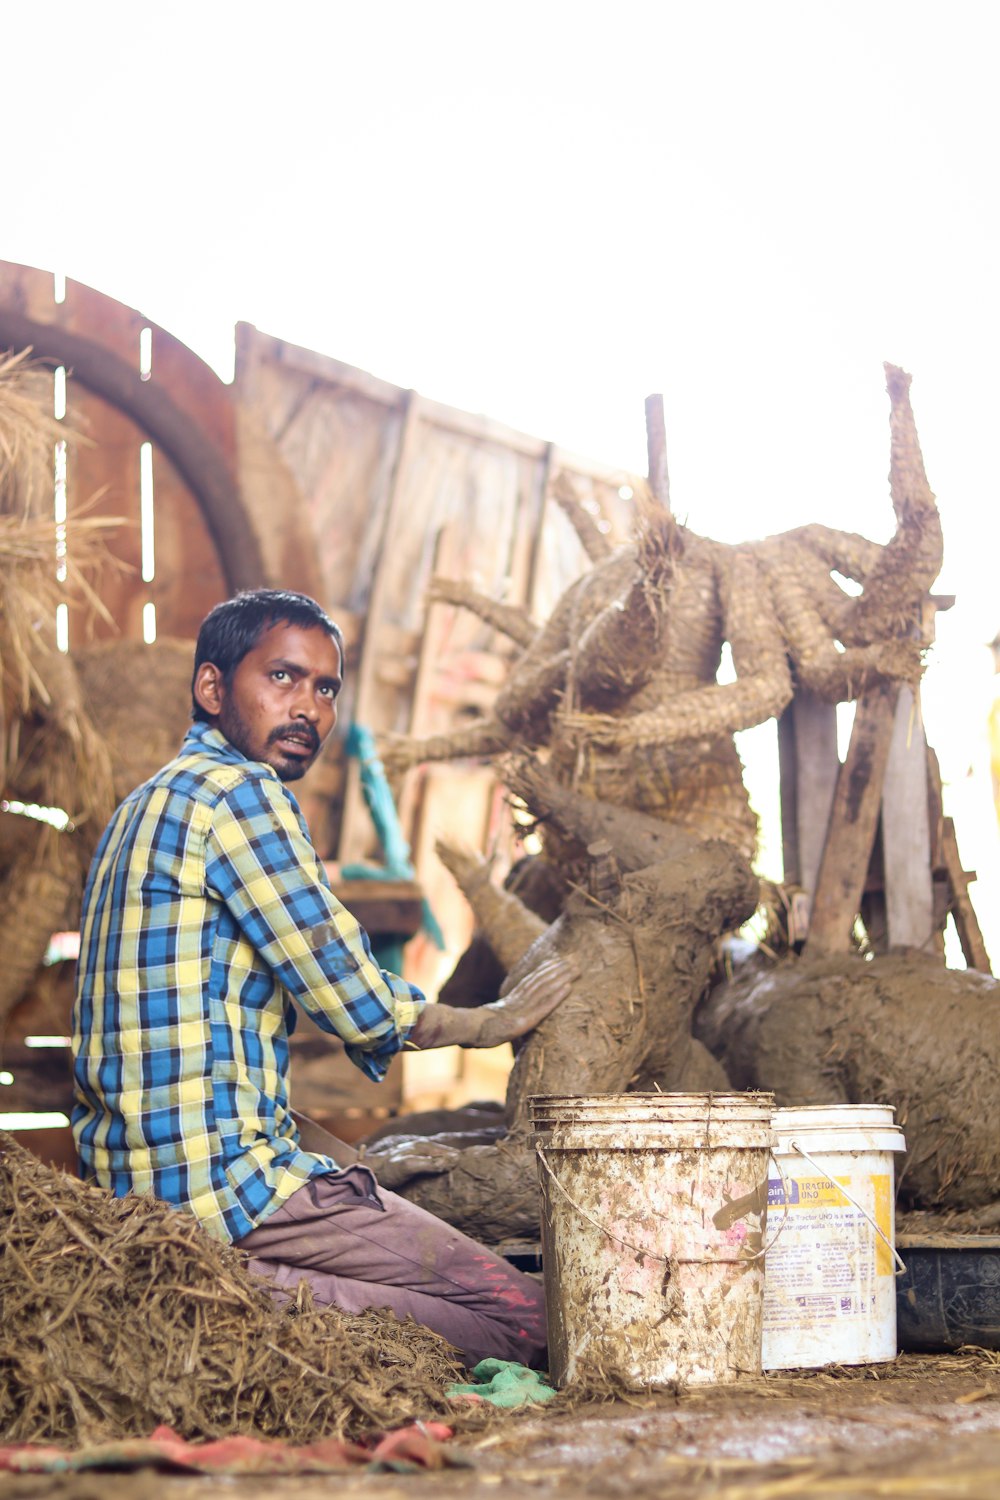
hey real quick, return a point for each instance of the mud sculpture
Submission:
(897, 1029)
(616, 735)
(619, 686)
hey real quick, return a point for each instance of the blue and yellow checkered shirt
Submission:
(206, 914)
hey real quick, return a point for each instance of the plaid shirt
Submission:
(206, 913)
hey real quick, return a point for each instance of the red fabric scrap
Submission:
(417, 1446)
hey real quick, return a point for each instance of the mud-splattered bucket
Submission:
(829, 1291)
(654, 1210)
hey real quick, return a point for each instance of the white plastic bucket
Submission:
(654, 1209)
(829, 1291)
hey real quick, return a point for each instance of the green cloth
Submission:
(505, 1383)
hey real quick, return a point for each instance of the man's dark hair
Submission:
(234, 627)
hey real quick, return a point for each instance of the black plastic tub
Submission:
(950, 1294)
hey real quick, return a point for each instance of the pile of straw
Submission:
(119, 1314)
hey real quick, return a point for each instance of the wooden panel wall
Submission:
(400, 487)
(103, 474)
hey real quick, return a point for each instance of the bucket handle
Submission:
(796, 1147)
(732, 1260)
(665, 1260)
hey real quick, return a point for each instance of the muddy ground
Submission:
(927, 1425)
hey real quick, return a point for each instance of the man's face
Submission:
(282, 701)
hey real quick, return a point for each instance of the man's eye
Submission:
(279, 674)
(329, 692)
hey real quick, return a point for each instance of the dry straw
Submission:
(120, 1314)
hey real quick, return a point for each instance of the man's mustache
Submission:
(302, 731)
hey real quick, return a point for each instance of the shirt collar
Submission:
(212, 742)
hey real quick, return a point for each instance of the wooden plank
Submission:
(196, 389)
(536, 531)
(341, 448)
(656, 450)
(103, 475)
(853, 823)
(356, 834)
(472, 497)
(383, 906)
(188, 578)
(809, 766)
(100, 319)
(935, 809)
(188, 574)
(411, 788)
(962, 910)
(906, 834)
(255, 349)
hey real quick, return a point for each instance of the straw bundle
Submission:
(119, 1314)
(50, 753)
(508, 619)
(592, 539)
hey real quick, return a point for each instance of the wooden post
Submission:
(538, 534)
(853, 823)
(809, 765)
(956, 880)
(906, 833)
(656, 448)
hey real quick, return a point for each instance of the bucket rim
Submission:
(717, 1096)
(839, 1114)
(854, 1142)
(594, 1109)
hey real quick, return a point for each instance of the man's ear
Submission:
(209, 688)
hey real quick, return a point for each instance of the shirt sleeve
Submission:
(261, 863)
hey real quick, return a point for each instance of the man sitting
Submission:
(206, 914)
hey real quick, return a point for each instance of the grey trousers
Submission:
(359, 1246)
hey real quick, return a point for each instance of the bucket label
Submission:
(807, 1192)
(823, 1193)
(829, 1292)
(825, 1262)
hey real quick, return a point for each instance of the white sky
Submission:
(545, 211)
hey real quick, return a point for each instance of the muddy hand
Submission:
(406, 1159)
(528, 1003)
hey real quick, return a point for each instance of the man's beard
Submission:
(237, 732)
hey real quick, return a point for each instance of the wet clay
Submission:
(643, 957)
(896, 1029)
